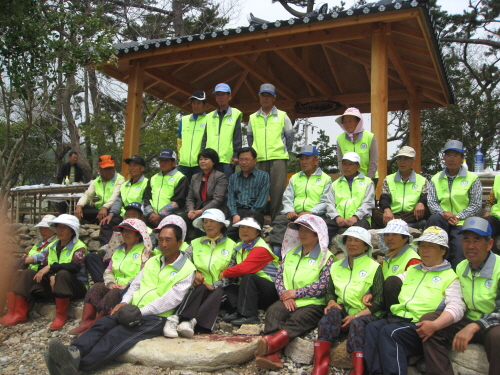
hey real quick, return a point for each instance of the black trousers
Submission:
(495, 227)
(96, 266)
(107, 339)
(90, 214)
(252, 294)
(202, 304)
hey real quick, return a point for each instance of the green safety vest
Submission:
(162, 189)
(308, 191)
(352, 284)
(212, 262)
(132, 193)
(192, 137)
(222, 141)
(269, 270)
(34, 250)
(349, 199)
(157, 281)
(405, 196)
(456, 199)
(66, 256)
(360, 147)
(397, 265)
(126, 266)
(299, 271)
(422, 292)
(495, 209)
(104, 190)
(267, 136)
(183, 248)
(479, 292)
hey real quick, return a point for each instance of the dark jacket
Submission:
(216, 192)
(64, 170)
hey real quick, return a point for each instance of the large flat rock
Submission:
(201, 353)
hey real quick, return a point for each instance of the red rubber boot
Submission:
(358, 363)
(11, 308)
(20, 312)
(59, 321)
(88, 318)
(321, 357)
(270, 344)
(269, 362)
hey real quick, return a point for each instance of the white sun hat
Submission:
(69, 220)
(356, 232)
(212, 214)
(249, 222)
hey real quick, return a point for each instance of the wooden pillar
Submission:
(133, 113)
(415, 139)
(379, 97)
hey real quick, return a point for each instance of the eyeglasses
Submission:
(245, 160)
(401, 158)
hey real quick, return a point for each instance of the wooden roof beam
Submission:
(210, 69)
(243, 75)
(436, 98)
(408, 32)
(400, 68)
(333, 69)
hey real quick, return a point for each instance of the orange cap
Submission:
(106, 161)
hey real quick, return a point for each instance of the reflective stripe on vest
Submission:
(132, 193)
(360, 147)
(222, 141)
(301, 271)
(479, 293)
(308, 191)
(422, 292)
(267, 136)
(157, 281)
(268, 272)
(405, 196)
(104, 190)
(352, 284)
(397, 265)
(495, 209)
(162, 189)
(126, 266)
(349, 199)
(456, 199)
(212, 262)
(192, 137)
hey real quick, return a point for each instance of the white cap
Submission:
(434, 235)
(249, 222)
(44, 223)
(352, 156)
(356, 232)
(397, 226)
(212, 214)
(407, 151)
(69, 220)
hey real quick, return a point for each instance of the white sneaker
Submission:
(186, 328)
(170, 329)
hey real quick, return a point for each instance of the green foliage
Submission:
(327, 153)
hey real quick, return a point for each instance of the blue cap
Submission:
(135, 205)
(267, 87)
(167, 153)
(222, 87)
(308, 150)
(477, 225)
(454, 145)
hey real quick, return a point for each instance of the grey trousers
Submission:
(277, 170)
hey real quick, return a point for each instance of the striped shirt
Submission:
(248, 192)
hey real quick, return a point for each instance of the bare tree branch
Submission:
(486, 42)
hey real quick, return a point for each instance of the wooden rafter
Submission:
(334, 70)
(400, 68)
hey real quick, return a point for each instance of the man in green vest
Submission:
(479, 276)
(106, 188)
(454, 195)
(224, 130)
(404, 193)
(166, 191)
(153, 296)
(353, 197)
(492, 208)
(308, 192)
(270, 133)
(191, 136)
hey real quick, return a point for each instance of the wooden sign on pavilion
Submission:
(380, 57)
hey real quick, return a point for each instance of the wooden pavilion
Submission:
(380, 57)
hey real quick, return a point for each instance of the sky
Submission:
(267, 10)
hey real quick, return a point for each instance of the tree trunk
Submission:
(178, 21)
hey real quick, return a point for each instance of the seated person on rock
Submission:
(211, 254)
(61, 276)
(248, 189)
(492, 211)
(207, 190)
(256, 267)
(153, 296)
(353, 197)
(31, 261)
(301, 282)
(426, 287)
(166, 191)
(131, 190)
(350, 279)
(454, 195)
(404, 193)
(127, 261)
(106, 188)
(308, 192)
(479, 276)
